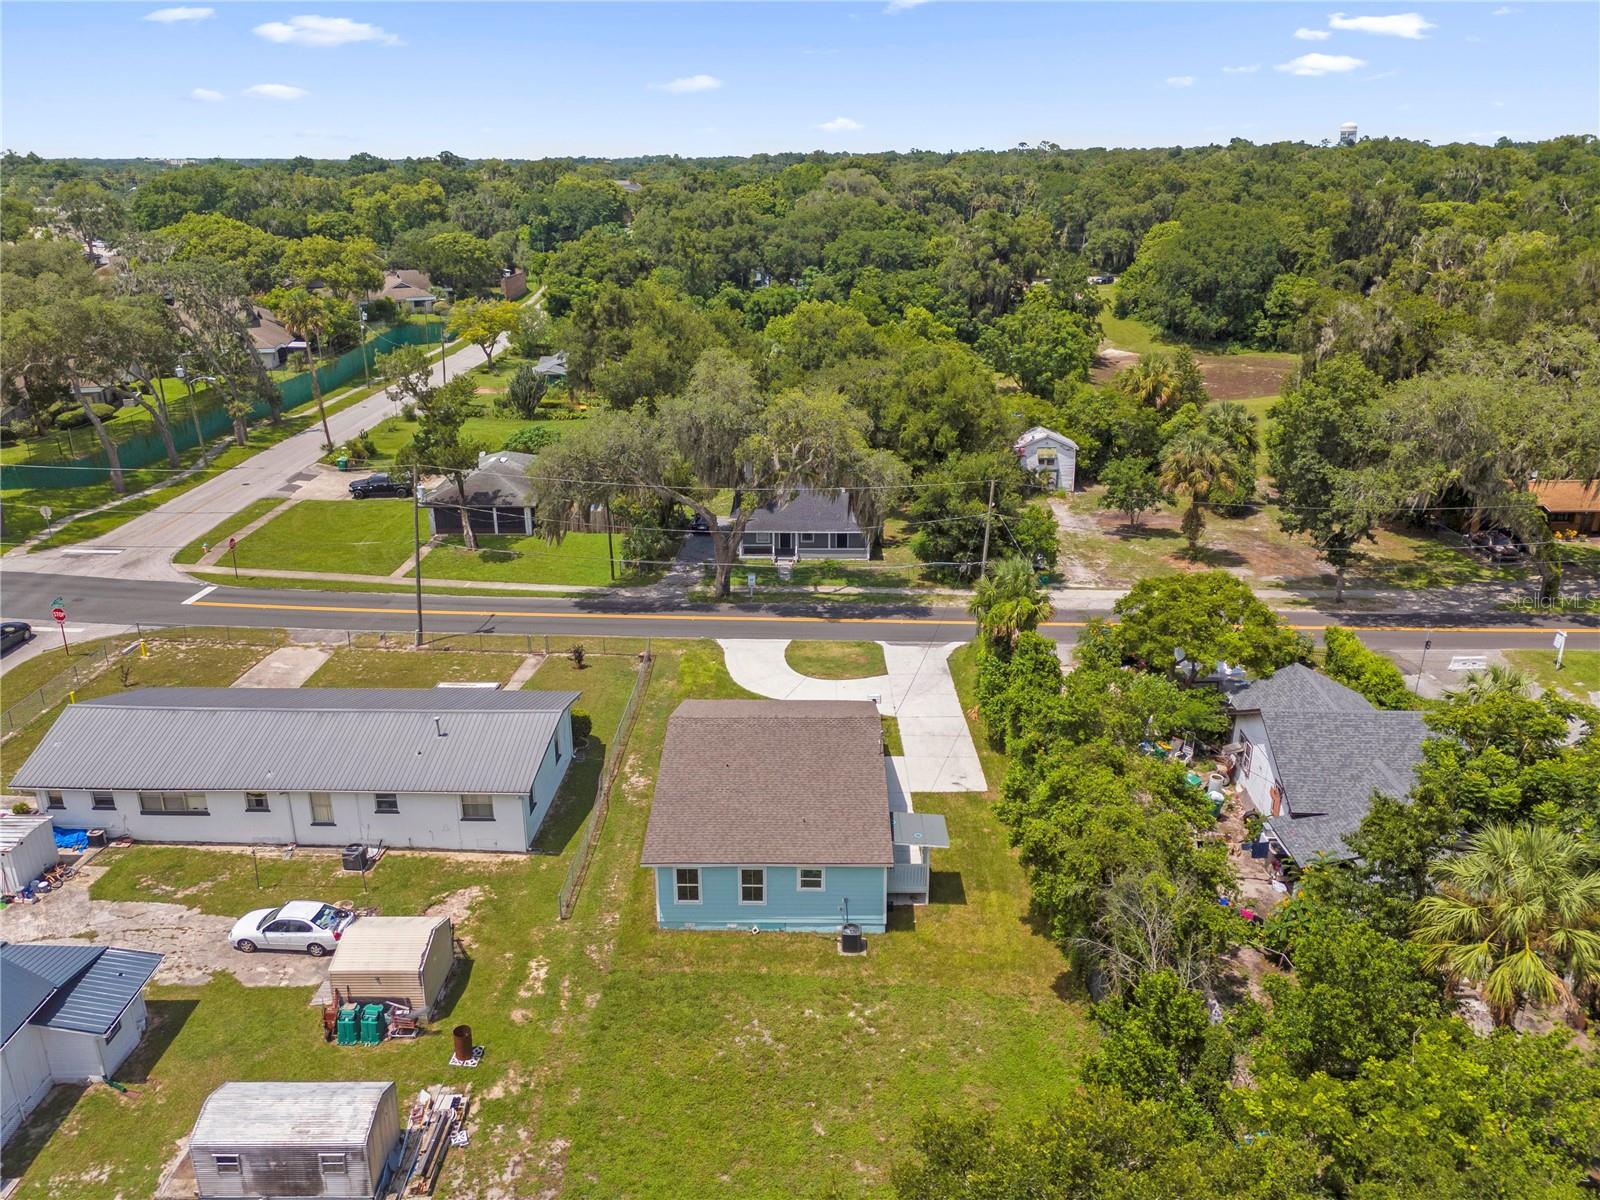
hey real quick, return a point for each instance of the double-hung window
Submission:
(687, 884)
(386, 802)
(476, 806)
(102, 800)
(321, 808)
(256, 802)
(54, 800)
(752, 885)
(811, 879)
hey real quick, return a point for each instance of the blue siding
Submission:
(787, 908)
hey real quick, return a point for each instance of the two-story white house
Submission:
(448, 769)
(1050, 457)
(1310, 753)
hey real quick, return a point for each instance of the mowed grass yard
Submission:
(621, 1060)
(360, 537)
(579, 559)
(836, 660)
(1579, 676)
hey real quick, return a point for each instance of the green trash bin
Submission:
(372, 1024)
(343, 462)
(345, 1029)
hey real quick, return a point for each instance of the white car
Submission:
(309, 926)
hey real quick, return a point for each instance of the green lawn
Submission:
(1579, 674)
(221, 574)
(891, 736)
(32, 674)
(411, 668)
(169, 663)
(621, 1060)
(361, 537)
(579, 559)
(256, 509)
(836, 660)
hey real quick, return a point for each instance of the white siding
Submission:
(73, 1056)
(1066, 461)
(1257, 776)
(23, 863)
(24, 1078)
(547, 780)
(425, 820)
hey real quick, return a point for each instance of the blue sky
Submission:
(519, 80)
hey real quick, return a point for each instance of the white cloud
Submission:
(895, 6)
(322, 32)
(1321, 64)
(171, 16)
(1401, 25)
(840, 125)
(687, 84)
(205, 94)
(1312, 35)
(1250, 69)
(275, 91)
(1180, 80)
(1505, 10)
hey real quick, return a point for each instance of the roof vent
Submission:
(438, 727)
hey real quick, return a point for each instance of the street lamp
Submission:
(194, 412)
(366, 374)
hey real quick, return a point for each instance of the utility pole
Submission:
(1427, 644)
(611, 558)
(988, 517)
(416, 544)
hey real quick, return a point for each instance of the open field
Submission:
(1099, 548)
(365, 537)
(581, 559)
(620, 1060)
(1579, 677)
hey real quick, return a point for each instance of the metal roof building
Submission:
(294, 1139)
(406, 959)
(27, 847)
(298, 739)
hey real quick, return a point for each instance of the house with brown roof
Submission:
(411, 291)
(271, 339)
(742, 837)
(1569, 504)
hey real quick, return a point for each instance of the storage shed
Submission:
(27, 847)
(294, 1139)
(405, 959)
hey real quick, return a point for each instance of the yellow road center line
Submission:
(747, 617)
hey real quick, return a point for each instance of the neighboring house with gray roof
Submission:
(1050, 457)
(71, 1014)
(499, 497)
(1312, 753)
(743, 834)
(817, 523)
(448, 769)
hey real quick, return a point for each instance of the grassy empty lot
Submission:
(1580, 669)
(361, 537)
(254, 511)
(836, 660)
(579, 559)
(410, 668)
(622, 1061)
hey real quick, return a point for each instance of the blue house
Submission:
(780, 815)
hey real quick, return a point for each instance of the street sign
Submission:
(60, 614)
(46, 512)
(1561, 646)
(232, 543)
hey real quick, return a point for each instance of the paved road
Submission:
(143, 547)
(124, 600)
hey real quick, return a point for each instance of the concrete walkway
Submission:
(288, 667)
(917, 691)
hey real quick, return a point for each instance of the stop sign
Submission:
(59, 613)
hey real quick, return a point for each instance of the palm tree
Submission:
(1009, 602)
(1517, 914)
(1498, 679)
(1196, 462)
(307, 317)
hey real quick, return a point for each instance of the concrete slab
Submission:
(916, 690)
(286, 667)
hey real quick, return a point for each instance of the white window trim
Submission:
(383, 797)
(226, 1164)
(54, 802)
(266, 802)
(799, 879)
(808, 539)
(476, 797)
(333, 1163)
(699, 886)
(761, 903)
(110, 804)
(312, 803)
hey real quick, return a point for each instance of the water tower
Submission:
(1347, 134)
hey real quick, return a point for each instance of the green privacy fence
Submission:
(146, 448)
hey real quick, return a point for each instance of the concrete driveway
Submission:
(917, 691)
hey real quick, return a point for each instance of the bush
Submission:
(526, 391)
(1368, 672)
(74, 417)
(582, 726)
(21, 808)
(408, 411)
(529, 440)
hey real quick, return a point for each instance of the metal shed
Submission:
(294, 1139)
(27, 847)
(406, 959)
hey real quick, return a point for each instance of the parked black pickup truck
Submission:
(381, 484)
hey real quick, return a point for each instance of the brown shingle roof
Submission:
(771, 782)
(1567, 495)
(405, 284)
